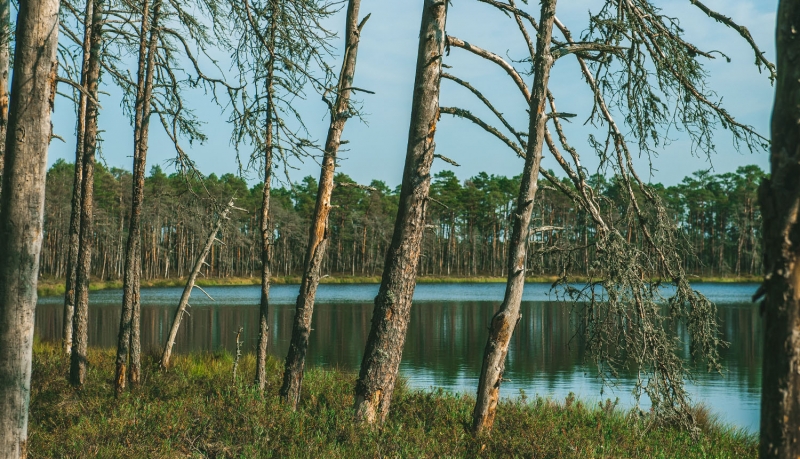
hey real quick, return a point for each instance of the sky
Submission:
(386, 65)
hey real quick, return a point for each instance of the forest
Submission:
(466, 231)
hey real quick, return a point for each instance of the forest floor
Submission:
(196, 410)
(54, 287)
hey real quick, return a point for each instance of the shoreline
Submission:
(55, 287)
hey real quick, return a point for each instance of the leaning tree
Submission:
(638, 66)
(384, 348)
(341, 109)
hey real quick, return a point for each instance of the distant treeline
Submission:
(466, 233)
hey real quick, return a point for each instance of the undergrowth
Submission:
(196, 410)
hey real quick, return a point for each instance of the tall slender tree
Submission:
(384, 349)
(128, 361)
(80, 331)
(318, 238)
(508, 315)
(280, 43)
(21, 212)
(75, 214)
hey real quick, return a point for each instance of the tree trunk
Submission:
(22, 212)
(135, 342)
(5, 41)
(75, 214)
(187, 291)
(384, 349)
(263, 326)
(318, 233)
(779, 197)
(80, 331)
(506, 318)
(130, 297)
(266, 237)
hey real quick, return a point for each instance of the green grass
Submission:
(194, 410)
(55, 287)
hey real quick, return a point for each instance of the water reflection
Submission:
(445, 341)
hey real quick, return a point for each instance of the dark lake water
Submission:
(445, 341)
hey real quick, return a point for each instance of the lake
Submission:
(446, 336)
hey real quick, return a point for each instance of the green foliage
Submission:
(468, 224)
(194, 410)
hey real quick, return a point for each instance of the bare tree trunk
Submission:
(135, 369)
(22, 212)
(80, 331)
(75, 214)
(779, 197)
(506, 318)
(187, 291)
(266, 237)
(381, 361)
(5, 41)
(130, 297)
(263, 326)
(318, 233)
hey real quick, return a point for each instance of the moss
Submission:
(195, 410)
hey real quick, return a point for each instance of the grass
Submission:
(55, 287)
(194, 410)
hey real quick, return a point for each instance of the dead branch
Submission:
(466, 114)
(492, 57)
(760, 59)
(446, 159)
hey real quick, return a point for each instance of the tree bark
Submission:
(22, 212)
(318, 233)
(128, 338)
(506, 318)
(187, 291)
(134, 372)
(266, 237)
(779, 197)
(75, 213)
(5, 41)
(80, 331)
(384, 349)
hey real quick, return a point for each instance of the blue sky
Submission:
(386, 65)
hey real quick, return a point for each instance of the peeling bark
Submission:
(779, 197)
(318, 234)
(21, 212)
(384, 349)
